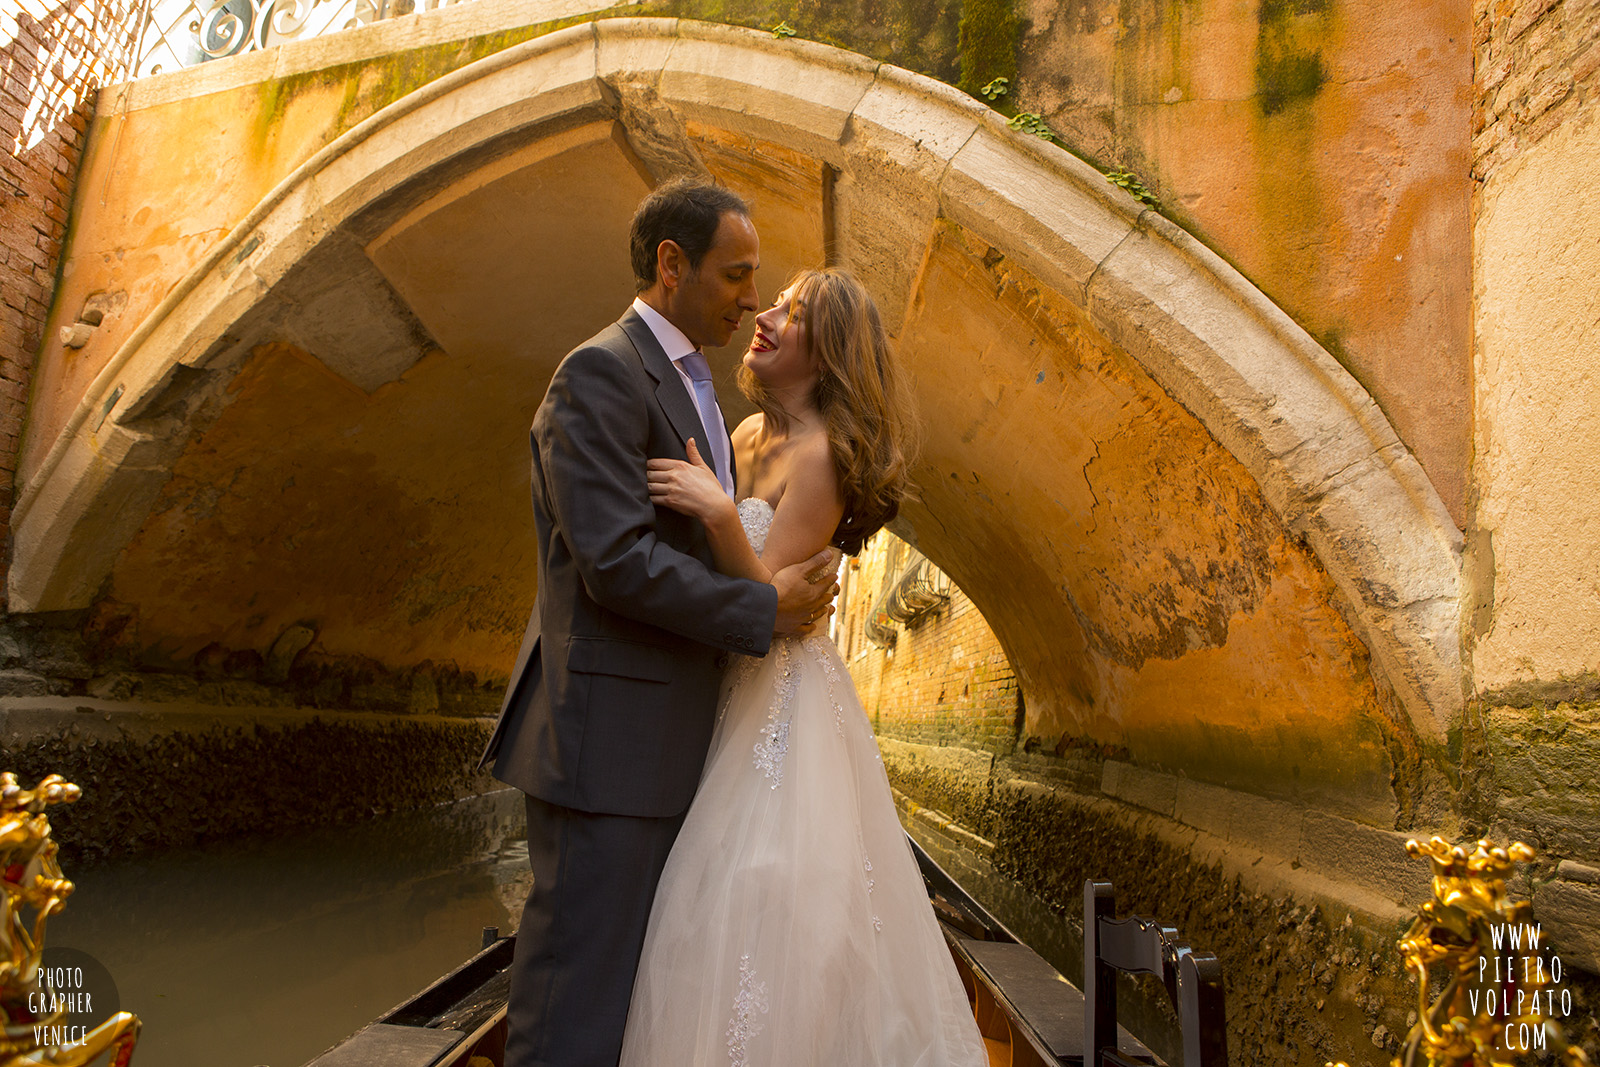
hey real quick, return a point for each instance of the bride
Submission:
(791, 926)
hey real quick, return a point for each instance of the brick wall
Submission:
(53, 56)
(1535, 66)
(945, 682)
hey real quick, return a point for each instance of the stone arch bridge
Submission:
(309, 342)
(1283, 578)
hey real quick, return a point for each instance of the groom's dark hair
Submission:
(685, 211)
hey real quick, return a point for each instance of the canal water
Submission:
(268, 951)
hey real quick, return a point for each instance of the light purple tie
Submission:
(710, 416)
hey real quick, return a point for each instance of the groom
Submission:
(610, 709)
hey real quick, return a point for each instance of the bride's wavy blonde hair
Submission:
(861, 395)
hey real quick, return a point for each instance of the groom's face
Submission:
(712, 301)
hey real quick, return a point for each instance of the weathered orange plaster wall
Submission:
(1322, 146)
(397, 524)
(309, 501)
(161, 185)
(1143, 590)
(158, 189)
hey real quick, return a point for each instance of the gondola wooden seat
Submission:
(1030, 1015)
(1144, 946)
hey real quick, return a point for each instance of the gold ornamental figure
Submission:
(1465, 928)
(31, 1016)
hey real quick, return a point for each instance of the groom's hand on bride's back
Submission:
(806, 591)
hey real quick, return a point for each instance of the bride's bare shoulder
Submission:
(811, 463)
(748, 430)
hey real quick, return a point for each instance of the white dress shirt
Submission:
(676, 346)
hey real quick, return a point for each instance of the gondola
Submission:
(1029, 1014)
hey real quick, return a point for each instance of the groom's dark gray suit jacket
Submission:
(611, 703)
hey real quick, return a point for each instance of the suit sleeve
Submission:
(591, 434)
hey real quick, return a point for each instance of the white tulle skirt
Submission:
(791, 926)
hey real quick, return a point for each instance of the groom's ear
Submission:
(670, 263)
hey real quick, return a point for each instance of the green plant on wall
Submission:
(988, 45)
(1128, 180)
(1030, 122)
(783, 29)
(996, 88)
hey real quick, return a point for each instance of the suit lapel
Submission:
(675, 400)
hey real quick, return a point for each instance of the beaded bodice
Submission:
(755, 515)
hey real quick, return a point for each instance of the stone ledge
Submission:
(1338, 848)
(1302, 836)
(27, 718)
(1570, 915)
(458, 22)
(1329, 856)
(1235, 816)
(176, 778)
(1258, 869)
(1148, 789)
(942, 824)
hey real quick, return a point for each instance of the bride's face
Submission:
(780, 353)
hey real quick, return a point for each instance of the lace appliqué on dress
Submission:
(774, 743)
(751, 998)
(866, 863)
(771, 750)
(755, 515)
(815, 644)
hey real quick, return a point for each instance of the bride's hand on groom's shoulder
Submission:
(688, 487)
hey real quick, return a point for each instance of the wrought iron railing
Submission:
(183, 33)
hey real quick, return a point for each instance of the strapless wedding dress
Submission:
(791, 927)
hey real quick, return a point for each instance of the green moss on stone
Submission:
(988, 44)
(369, 85)
(1289, 66)
(919, 35)
(1283, 79)
(1545, 760)
(1581, 690)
